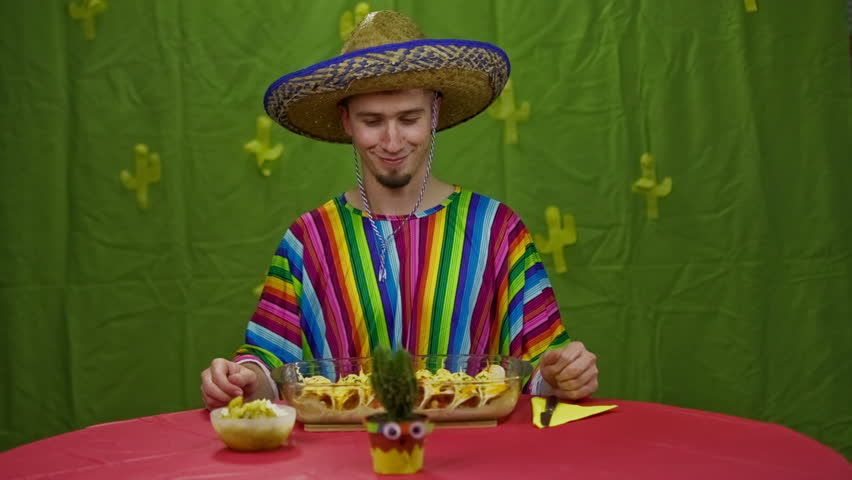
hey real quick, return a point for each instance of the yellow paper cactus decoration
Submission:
(750, 5)
(504, 109)
(147, 172)
(85, 11)
(648, 186)
(264, 153)
(562, 231)
(350, 19)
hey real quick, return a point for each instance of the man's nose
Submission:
(392, 139)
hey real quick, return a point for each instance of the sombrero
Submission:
(387, 51)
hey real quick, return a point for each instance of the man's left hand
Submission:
(572, 371)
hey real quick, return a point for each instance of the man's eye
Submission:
(372, 123)
(409, 121)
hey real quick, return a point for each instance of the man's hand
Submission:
(571, 371)
(224, 380)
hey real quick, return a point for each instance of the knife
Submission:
(549, 407)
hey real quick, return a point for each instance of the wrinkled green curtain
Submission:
(736, 299)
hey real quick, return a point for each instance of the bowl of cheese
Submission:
(253, 426)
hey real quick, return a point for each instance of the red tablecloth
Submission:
(635, 441)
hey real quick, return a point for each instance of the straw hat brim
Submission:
(469, 75)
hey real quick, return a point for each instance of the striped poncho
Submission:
(463, 277)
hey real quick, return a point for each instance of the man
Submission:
(404, 259)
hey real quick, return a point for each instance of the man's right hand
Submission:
(224, 380)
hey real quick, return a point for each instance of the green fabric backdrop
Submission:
(736, 300)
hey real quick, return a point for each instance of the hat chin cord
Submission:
(383, 241)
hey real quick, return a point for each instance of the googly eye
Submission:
(391, 431)
(417, 430)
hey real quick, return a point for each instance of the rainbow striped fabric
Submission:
(463, 277)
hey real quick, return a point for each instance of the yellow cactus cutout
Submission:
(504, 109)
(350, 19)
(750, 5)
(85, 11)
(562, 232)
(648, 186)
(260, 147)
(148, 171)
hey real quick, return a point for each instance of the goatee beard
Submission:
(394, 181)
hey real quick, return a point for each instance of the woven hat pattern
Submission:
(470, 75)
(337, 77)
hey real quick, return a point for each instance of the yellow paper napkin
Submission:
(565, 412)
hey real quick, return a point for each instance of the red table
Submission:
(635, 441)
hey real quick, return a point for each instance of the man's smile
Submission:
(394, 161)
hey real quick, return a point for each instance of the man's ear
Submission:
(345, 119)
(439, 99)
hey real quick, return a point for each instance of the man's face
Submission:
(391, 131)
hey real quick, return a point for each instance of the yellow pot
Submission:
(397, 447)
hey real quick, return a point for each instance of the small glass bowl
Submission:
(253, 434)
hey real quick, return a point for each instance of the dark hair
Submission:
(344, 102)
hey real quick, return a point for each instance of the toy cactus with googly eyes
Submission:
(396, 436)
